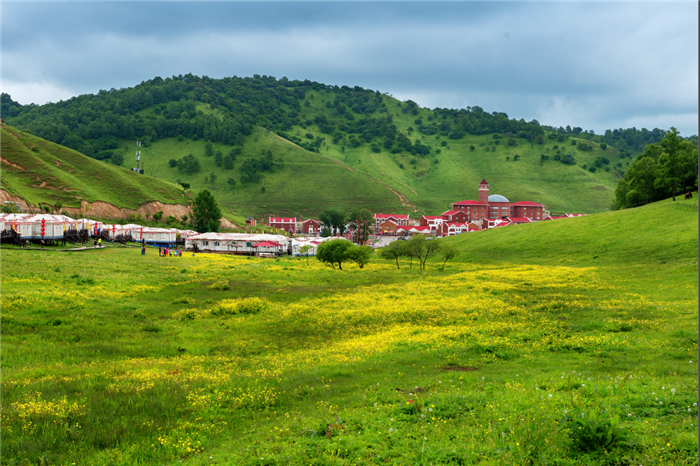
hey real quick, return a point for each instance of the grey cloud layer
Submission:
(592, 65)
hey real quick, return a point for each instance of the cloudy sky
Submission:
(597, 65)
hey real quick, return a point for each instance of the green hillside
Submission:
(332, 146)
(40, 171)
(611, 239)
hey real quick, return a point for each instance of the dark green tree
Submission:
(206, 214)
(334, 219)
(333, 252)
(669, 176)
(359, 255)
(208, 149)
(158, 215)
(393, 251)
(218, 158)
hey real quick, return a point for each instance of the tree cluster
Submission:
(420, 248)
(337, 251)
(664, 169)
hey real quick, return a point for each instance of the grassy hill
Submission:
(339, 146)
(347, 177)
(40, 171)
(532, 332)
(610, 239)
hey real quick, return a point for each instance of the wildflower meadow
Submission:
(113, 358)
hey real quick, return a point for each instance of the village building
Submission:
(250, 222)
(496, 206)
(239, 243)
(311, 226)
(432, 221)
(288, 224)
(388, 227)
(399, 220)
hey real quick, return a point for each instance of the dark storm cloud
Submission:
(594, 65)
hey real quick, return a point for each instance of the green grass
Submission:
(114, 358)
(43, 172)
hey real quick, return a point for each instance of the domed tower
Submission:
(484, 192)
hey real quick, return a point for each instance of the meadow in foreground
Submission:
(113, 358)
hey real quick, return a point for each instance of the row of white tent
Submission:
(256, 244)
(29, 227)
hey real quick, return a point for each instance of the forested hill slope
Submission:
(296, 147)
(39, 171)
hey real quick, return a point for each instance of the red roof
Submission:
(390, 216)
(311, 220)
(432, 217)
(450, 212)
(483, 182)
(527, 203)
(283, 219)
(265, 244)
(468, 203)
(519, 219)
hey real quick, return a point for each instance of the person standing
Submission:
(143, 249)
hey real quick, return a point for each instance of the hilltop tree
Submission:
(206, 214)
(158, 215)
(669, 162)
(641, 176)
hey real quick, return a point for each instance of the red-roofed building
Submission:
(399, 220)
(455, 216)
(287, 224)
(431, 221)
(387, 227)
(495, 206)
(531, 210)
(311, 227)
(475, 210)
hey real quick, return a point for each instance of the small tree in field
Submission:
(305, 251)
(359, 255)
(333, 252)
(393, 251)
(448, 252)
(158, 215)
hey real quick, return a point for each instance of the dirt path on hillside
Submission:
(11, 164)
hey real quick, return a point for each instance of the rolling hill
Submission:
(332, 146)
(41, 172)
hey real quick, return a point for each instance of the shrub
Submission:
(593, 430)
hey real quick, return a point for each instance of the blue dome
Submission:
(497, 198)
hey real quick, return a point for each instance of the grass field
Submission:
(568, 342)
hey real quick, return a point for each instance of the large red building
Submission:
(495, 206)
